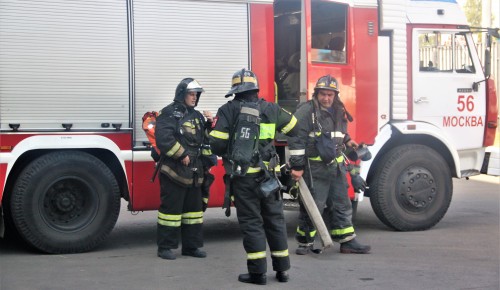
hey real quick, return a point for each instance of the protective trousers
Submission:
(260, 218)
(329, 190)
(180, 213)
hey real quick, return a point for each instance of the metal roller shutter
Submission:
(176, 39)
(63, 62)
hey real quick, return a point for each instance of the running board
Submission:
(469, 173)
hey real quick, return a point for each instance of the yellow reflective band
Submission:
(283, 253)
(254, 169)
(169, 220)
(256, 255)
(169, 223)
(189, 127)
(237, 80)
(318, 158)
(206, 152)
(340, 232)
(205, 200)
(179, 153)
(302, 233)
(192, 221)
(174, 149)
(276, 168)
(219, 135)
(170, 172)
(192, 218)
(188, 124)
(195, 214)
(290, 125)
(267, 131)
(172, 217)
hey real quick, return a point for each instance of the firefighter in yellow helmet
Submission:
(260, 214)
(324, 137)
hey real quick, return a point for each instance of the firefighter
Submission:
(260, 217)
(182, 137)
(324, 137)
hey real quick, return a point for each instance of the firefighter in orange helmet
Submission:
(324, 137)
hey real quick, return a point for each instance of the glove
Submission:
(358, 183)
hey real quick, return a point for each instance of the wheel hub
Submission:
(417, 189)
(67, 203)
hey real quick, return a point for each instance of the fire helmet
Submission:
(326, 83)
(185, 86)
(243, 81)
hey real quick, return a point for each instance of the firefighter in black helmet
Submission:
(181, 137)
(260, 217)
(324, 137)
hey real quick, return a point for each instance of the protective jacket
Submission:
(273, 118)
(314, 121)
(180, 131)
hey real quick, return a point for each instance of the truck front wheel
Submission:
(411, 189)
(65, 202)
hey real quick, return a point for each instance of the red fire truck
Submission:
(76, 78)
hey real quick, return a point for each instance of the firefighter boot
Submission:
(303, 250)
(282, 276)
(254, 278)
(166, 254)
(197, 253)
(353, 247)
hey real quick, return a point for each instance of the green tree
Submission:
(473, 12)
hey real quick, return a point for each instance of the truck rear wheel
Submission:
(65, 202)
(411, 189)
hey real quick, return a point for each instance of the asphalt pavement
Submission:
(461, 252)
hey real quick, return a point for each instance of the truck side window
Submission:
(463, 60)
(444, 52)
(328, 32)
(435, 51)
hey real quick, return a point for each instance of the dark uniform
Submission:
(259, 217)
(181, 131)
(327, 180)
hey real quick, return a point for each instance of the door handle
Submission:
(421, 100)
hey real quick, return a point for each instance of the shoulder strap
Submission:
(316, 125)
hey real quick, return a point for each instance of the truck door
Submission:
(289, 31)
(444, 67)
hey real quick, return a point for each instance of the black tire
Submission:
(65, 202)
(412, 188)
